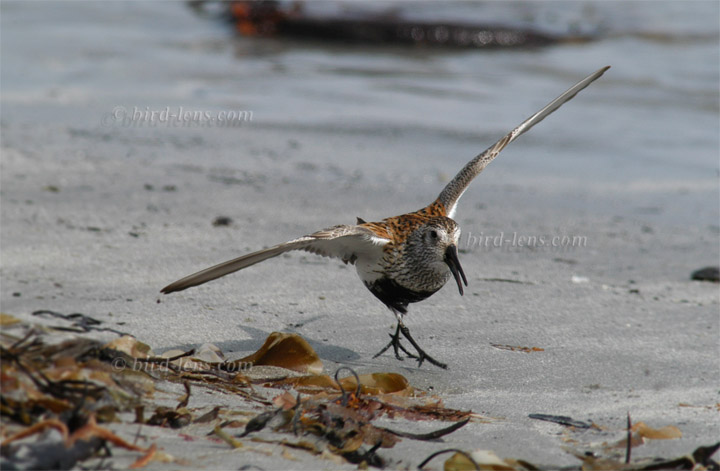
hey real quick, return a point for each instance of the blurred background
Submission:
(376, 95)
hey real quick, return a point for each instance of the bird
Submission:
(402, 259)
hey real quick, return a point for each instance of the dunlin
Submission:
(402, 259)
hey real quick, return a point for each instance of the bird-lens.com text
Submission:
(174, 117)
(518, 241)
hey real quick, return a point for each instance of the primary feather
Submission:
(454, 190)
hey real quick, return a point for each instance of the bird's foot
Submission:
(422, 356)
(397, 346)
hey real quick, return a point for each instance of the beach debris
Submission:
(513, 348)
(430, 436)
(56, 382)
(561, 420)
(58, 388)
(169, 417)
(65, 446)
(342, 424)
(224, 436)
(292, 20)
(209, 416)
(507, 280)
(6, 320)
(377, 393)
(186, 398)
(80, 322)
(372, 383)
(628, 447)
(667, 432)
(62, 391)
(168, 188)
(640, 432)
(706, 274)
(52, 188)
(699, 460)
(289, 351)
(481, 459)
(130, 346)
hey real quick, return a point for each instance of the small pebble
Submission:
(222, 221)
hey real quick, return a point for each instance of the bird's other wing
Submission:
(454, 190)
(344, 242)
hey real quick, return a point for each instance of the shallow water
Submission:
(647, 130)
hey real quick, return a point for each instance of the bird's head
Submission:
(435, 243)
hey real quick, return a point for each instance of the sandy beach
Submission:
(99, 213)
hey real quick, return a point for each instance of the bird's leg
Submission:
(422, 356)
(396, 345)
(410, 355)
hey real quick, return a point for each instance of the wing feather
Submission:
(454, 190)
(344, 242)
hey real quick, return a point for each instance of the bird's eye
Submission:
(434, 234)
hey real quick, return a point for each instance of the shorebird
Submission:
(402, 259)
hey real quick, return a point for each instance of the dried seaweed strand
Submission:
(227, 438)
(54, 388)
(628, 449)
(92, 429)
(143, 460)
(450, 450)
(345, 396)
(39, 427)
(165, 360)
(430, 435)
(186, 398)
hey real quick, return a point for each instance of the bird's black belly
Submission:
(394, 296)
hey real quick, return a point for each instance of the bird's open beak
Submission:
(451, 258)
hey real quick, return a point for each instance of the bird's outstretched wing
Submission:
(454, 190)
(344, 242)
